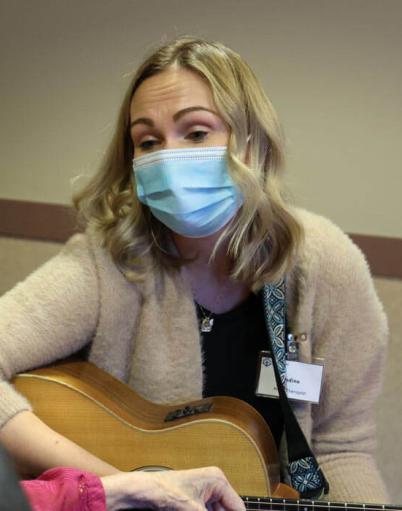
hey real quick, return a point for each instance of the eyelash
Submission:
(144, 145)
(205, 134)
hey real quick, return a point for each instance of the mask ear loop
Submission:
(155, 240)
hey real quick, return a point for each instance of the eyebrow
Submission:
(176, 116)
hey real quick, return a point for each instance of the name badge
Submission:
(303, 381)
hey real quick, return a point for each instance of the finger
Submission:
(230, 501)
(226, 505)
(216, 507)
(223, 495)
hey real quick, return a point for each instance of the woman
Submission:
(185, 226)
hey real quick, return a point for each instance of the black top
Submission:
(231, 353)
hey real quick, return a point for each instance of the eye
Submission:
(147, 144)
(198, 135)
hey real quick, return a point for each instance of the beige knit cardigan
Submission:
(148, 337)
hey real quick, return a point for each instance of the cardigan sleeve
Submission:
(350, 333)
(49, 316)
(65, 489)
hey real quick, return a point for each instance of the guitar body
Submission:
(109, 419)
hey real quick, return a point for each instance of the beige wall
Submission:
(332, 68)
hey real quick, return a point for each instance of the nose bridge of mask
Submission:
(212, 152)
(191, 158)
(178, 170)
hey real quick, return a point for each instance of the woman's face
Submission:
(175, 109)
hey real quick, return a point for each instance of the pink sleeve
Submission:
(65, 489)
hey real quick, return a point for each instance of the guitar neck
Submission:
(274, 504)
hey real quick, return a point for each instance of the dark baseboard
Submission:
(55, 222)
(384, 255)
(36, 220)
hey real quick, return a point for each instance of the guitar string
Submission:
(280, 507)
(323, 505)
(317, 504)
(274, 506)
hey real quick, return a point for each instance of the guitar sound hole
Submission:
(150, 468)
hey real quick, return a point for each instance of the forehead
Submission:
(174, 88)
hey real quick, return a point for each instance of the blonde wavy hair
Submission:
(264, 237)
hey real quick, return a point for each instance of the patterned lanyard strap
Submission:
(305, 474)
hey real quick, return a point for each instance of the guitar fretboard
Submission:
(255, 503)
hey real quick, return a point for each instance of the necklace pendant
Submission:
(206, 324)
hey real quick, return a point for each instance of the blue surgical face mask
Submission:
(188, 190)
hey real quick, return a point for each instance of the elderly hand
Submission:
(177, 490)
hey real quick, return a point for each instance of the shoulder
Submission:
(332, 271)
(331, 279)
(327, 250)
(83, 243)
(76, 262)
(325, 235)
(91, 250)
(78, 246)
(87, 249)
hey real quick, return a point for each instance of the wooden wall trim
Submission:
(384, 255)
(55, 222)
(36, 220)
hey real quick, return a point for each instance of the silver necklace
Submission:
(207, 321)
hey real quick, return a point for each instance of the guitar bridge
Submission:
(187, 411)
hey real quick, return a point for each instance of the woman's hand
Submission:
(177, 490)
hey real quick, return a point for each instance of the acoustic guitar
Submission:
(106, 417)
